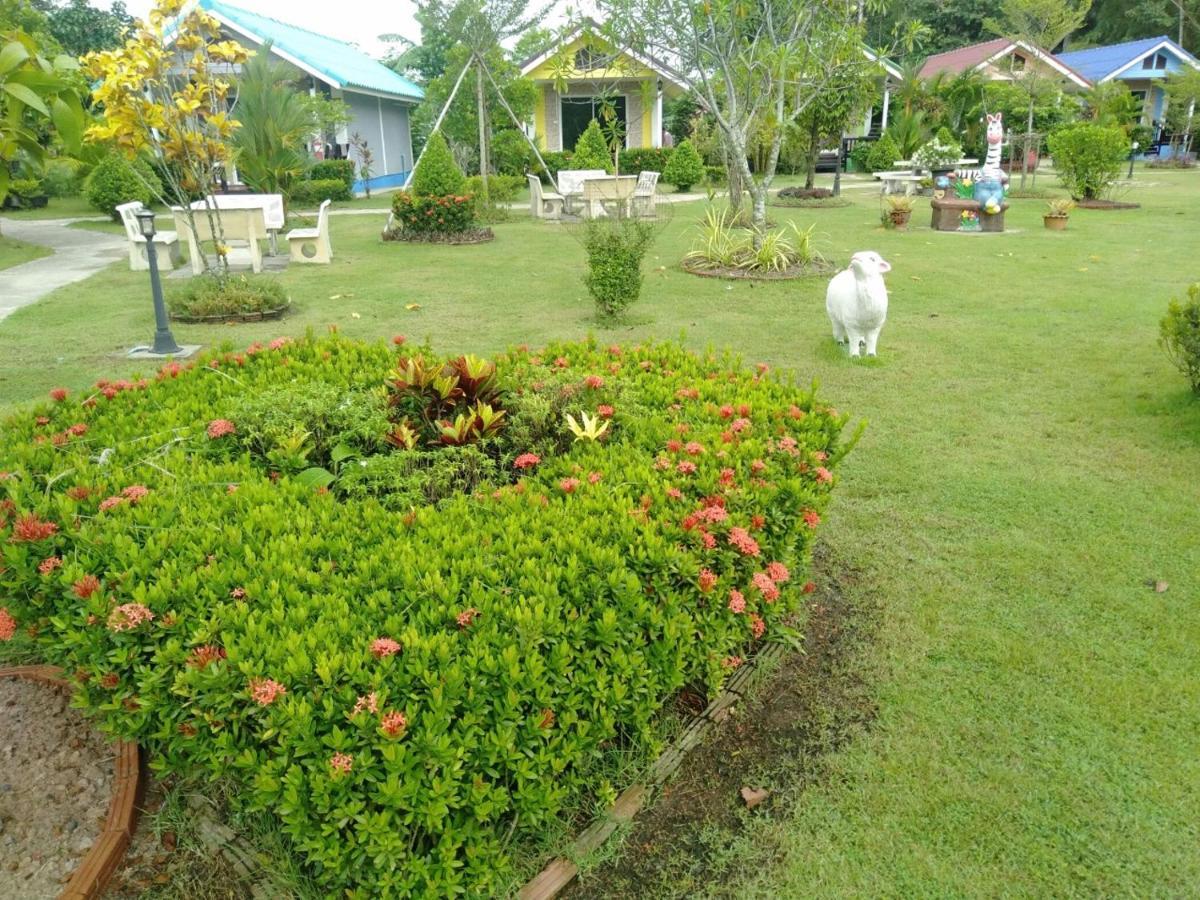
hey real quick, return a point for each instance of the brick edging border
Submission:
(98, 866)
(561, 871)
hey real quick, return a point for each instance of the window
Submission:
(1160, 61)
(1018, 62)
(1155, 61)
(578, 112)
(587, 59)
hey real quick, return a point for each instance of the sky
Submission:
(356, 21)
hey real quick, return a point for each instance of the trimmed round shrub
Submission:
(615, 250)
(685, 167)
(427, 215)
(883, 155)
(226, 295)
(334, 169)
(1088, 158)
(317, 191)
(437, 174)
(116, 180)
(408, 688)
(591, 152)
(1179, 335)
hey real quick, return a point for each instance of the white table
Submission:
(270, 204)
(570, 184)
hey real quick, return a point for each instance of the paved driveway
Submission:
(78, 254)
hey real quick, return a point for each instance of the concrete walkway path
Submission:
(78, 254)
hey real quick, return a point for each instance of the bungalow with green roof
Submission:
(380, 100)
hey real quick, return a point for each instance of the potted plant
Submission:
(939, 155)
(897, 210)
(1057, 213)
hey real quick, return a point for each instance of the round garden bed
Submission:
(734, 274)
(67, 794)
(1106, 204)
(808, 198)
(455, 239)
(235, 317)
(469, 578)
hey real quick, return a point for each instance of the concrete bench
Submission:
(893, 181)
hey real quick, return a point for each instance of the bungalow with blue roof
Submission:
(380, 100)
(1142, 65)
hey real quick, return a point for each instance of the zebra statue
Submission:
(991, 166)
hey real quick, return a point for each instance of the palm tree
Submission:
(276, 125)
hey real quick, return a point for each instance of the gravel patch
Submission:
(56, 775)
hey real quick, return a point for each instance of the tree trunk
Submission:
(841, 161)
(814, 152)
(481, 111)
(1025, 151)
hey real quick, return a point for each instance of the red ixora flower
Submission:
(568, 485)
(824, 475)
(707, 580)
(86, 586)
(399, 340)
(594, 381)
(466, 617)
(732, 662)
(58, 395)
(687, 467)
(110, 680)
(693, 448)
(8, 625)
(265, 691)
(384, 646)
(604, 411)
(79, 492)
(740, 538)
(29, 529)
(526, 461)
(135, 492)
(737, 603)
(766, 586)
(219, 428)
(594, 477)
(393, 723)
(49, 564)
(109, 502)
(341, 763)
(128, 616)
(778, 572)
(561, 362)
(809, 587)
(757, 626)
(201, 657)
(366, 703)
(238, 593)
(811, 519)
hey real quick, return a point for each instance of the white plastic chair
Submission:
(168, 240)
(543, 204)
(311, 245)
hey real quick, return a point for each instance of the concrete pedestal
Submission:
(947, 215)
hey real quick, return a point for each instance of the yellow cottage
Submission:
(582, 71)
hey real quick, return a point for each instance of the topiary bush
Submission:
(437, 174)
(685, 168)
(615, 250)
(317, 191)
(1179, 335)
(591, 152)
(334, 169)
(884, 154)
(408, 687)
(116, 180)
(1088, 158)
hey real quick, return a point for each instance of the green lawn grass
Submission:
(56, 208)
(1030, 465)
(14, 252)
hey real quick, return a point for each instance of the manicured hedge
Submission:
(408, 688)
(334, 169)
(314, 193)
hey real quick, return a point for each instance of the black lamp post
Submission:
(164, 341)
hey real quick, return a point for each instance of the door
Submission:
(577, 112)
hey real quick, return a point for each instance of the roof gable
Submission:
(1104, 63)
(334, 62)
(978, 56)
(616, 64)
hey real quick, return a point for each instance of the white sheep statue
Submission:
(857, 301)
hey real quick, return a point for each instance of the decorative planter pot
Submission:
(1055, 223)
(900, 219)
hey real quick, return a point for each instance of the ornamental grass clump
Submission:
(409, 689)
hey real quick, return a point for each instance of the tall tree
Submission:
(1113, 21)
(81, 28)
(950, 24)
(1040, 24)
(754, 63)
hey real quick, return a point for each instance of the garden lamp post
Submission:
(164, 341)
(1132, 153)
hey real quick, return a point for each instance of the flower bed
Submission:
(406, 618)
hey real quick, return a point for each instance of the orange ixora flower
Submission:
(265, 691)
(341, 763)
